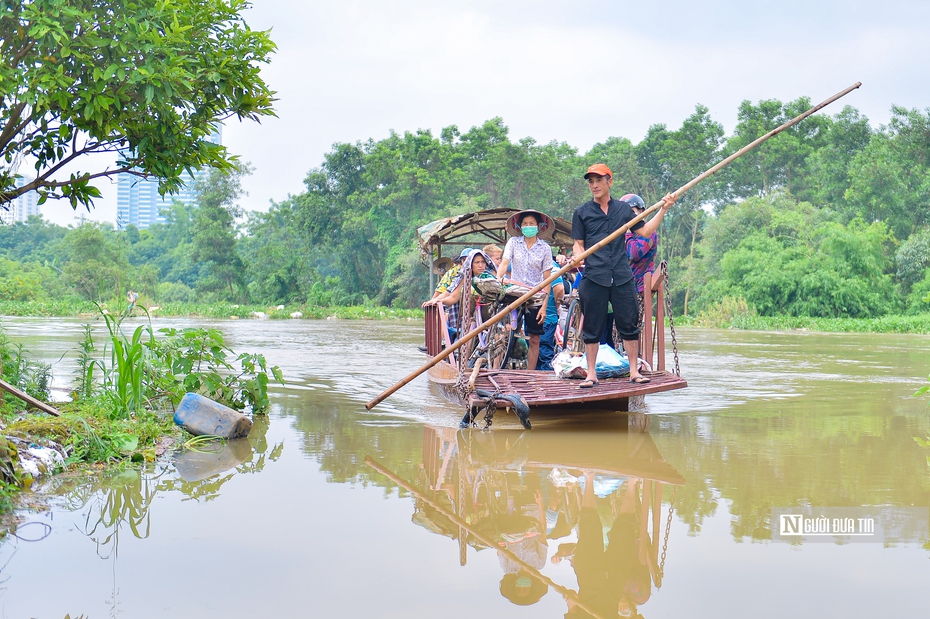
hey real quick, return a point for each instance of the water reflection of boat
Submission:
(478, 388)
(593, 499)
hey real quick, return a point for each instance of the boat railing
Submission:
(437, 331)
(433, 330)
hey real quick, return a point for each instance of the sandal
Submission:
(587, 383)
(640, 380)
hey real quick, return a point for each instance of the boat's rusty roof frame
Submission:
(490, 224)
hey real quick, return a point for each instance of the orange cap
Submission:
(600, 169)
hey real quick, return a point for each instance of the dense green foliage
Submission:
(142, 371)
(788, 257)
(149, 79)
(825, 220)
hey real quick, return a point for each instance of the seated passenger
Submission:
(449, 275)
(495, 253)
(474, 262)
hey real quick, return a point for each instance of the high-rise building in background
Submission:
(22, 207)
(138, 202)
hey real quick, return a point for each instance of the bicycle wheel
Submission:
(499, 344)
(571, 328)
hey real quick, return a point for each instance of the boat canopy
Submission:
(489, 224)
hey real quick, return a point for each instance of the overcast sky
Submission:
(577, 72)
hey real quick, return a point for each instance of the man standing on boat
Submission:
(607, 273)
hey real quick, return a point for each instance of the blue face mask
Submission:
(529, 231)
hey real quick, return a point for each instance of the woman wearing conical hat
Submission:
(530, 261)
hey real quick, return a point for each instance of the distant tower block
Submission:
(138, 202)
(22, 207)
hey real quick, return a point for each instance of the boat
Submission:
(481, 387)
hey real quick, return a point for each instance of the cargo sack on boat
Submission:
(567, 365)
(513, 290)
(610, 364)
(486, 286)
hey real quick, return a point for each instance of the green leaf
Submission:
(128, 443)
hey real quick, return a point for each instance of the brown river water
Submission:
(568, 519)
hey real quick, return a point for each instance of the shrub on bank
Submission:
(725, 313)
(73, 306)
(919, 323)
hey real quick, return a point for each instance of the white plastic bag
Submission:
(610, 364)
(567, 365)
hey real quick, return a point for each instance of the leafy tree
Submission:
(676, 157)
(780, 161)
(168, 247)
(918, 300)
(890, 178)
(34, 239)
(279, 258)
(214, 233)
(28, 281)
(827, 175)
(148, 79)
(912, 259)
(97, 264)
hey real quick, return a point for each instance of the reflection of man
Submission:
(607, 275)
(611, 581)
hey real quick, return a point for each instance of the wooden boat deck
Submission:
(544, 389)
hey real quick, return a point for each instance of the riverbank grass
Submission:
(75, 307)
(736, 313)
(918, 324)
(88, 434)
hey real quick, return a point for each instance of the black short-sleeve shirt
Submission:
(609, 266)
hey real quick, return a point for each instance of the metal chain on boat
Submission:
(668, 528)
(463, 388)
(472, 412)
(668, 312)
(490, 409)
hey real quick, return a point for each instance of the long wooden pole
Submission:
(622, 230)
(481, 537)
(25, 397)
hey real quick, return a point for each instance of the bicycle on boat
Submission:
(500, 344)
